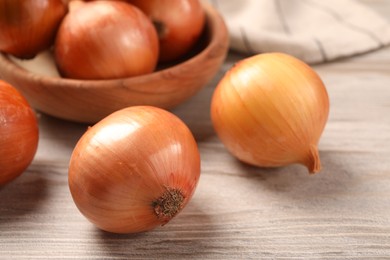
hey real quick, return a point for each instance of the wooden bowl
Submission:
(90, 100)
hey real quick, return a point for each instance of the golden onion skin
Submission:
(270, 110)
(134, 170)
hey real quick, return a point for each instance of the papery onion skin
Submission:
(134, 170)
(270, 110)
(19, 133)
(179, 23)
(28, 27)
(105, 40)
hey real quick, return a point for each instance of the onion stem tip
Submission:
(313, 162)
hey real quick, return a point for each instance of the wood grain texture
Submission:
(238, 211)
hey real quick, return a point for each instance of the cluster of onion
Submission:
(101, 39)
(138, 167)
(153, 153)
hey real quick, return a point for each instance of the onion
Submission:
(18, 133)
(28, 27)
(134, 170)
(105, 40)
(270, 110)
(179, 24)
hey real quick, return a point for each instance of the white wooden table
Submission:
(238, 211)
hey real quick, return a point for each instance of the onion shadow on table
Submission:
(177, 239)
(195, 112)
(66, 133)
(22, 196)
(295, 182)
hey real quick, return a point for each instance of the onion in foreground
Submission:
(134, 170)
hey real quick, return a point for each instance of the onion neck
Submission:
(168, 204)
(161, 29)
(312, 161)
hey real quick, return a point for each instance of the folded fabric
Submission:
(312, 30)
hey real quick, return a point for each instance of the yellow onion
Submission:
(134, 170)
(29, 26)
(270, 110)
(105, 40)
(179, 24)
